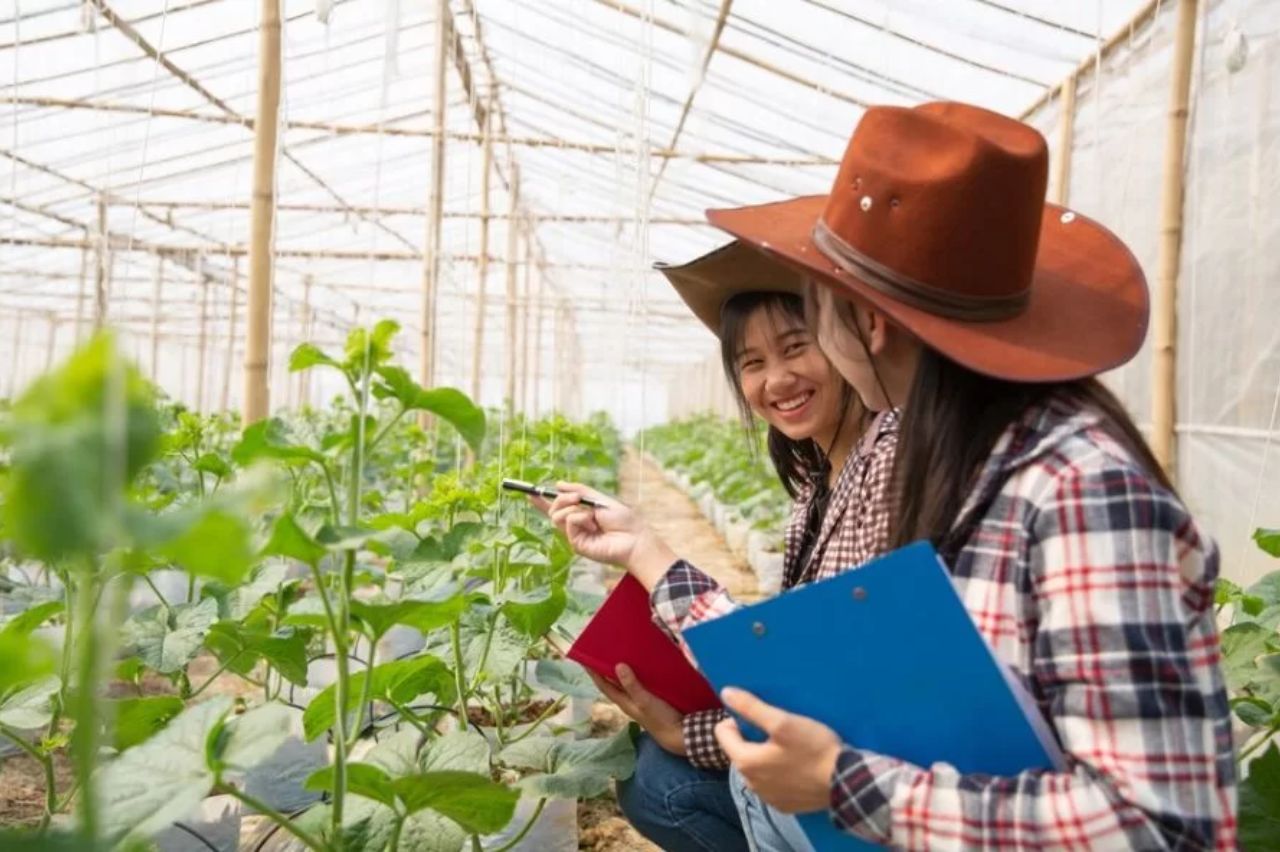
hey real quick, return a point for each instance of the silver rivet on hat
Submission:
(866, 203)
(859, 593)
(1068, 218)
(758, 628)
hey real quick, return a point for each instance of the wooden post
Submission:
(537, 346)
(155, 319)
(435, 207)
(16, 354)
(100, 274)
(80, 293)
(257, 395)
(1164, 353)
(304, 333)
(1066, 139)
(525, 307)
(229, 363)
(202, 358)
(482, 265)
(513, 235)
(51, 342)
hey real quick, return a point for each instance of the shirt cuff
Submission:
(700, 744)
(675, 594)
(861, 794)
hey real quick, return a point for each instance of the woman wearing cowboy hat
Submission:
(679, 795)
(944, 286)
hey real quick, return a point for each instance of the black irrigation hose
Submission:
(182, 826)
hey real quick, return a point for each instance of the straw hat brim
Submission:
(707, 282)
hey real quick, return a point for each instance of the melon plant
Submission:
(183, 597)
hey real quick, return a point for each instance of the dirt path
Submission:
(682, 525)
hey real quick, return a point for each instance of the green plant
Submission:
(1251, 657)
(298, 540)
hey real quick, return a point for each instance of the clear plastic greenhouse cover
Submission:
(128, 126)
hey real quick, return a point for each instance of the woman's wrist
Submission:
(650, 559)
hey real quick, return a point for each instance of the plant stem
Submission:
(271, 814)
(455, 637)
(84, 739)
(484, 654)
(46, 763)
(164, 602)
(364, 696)
(333, 492)
(475, 844)
(342, 687)
(1262, 739)
(385, 429)
(214, 676)
(394, 845)
(551, 710)
(528, 826)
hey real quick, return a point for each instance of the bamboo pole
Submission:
(435, 204)
(15, 355)
(100, 273)
(51, 341)
(304, 322)
(482, 268)
(202, 357)
(524, 328)
(229, 362)
(157, 286)
(537, 348)
(1066, 141)
(257, 397)
(80, 292)
(1164, 354)
(513, 237)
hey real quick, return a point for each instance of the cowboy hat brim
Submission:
(1087, 311)
(707, 282)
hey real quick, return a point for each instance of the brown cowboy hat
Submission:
(707, 282)
(937, 219)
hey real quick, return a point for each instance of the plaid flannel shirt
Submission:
(1096, 586)
(854, 529)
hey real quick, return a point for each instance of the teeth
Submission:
(793, 403)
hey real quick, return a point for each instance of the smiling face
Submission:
(784, 377)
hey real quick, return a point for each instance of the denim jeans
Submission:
(768, 830)
(678, 806)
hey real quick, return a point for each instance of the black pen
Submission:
(544, 492)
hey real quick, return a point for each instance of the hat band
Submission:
(917, 294)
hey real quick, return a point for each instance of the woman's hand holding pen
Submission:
(613, 534)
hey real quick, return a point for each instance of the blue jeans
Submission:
(678, 806)
(769, 830)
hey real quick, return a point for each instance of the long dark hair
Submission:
(951, 420)
(796, 462)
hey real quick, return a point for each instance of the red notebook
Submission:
(622, 631)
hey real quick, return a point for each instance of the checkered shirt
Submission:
(1096, 586)
(854, 529)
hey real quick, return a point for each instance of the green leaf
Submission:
(368, 348)
(213, 464)
(400, 681)
(449, 404)
(580, 769)
(567, 678)
(308, 355)
(285, 649)
(423, 615)
(537, 753)
(76, 440)
(149, 786)
(363, 779)
(166, 648)
(344, 538)
(217, 544)
(1268, 588)
(507, 650)
(465, 751)
(289, 540)
(252, 737)
(1268, 540)
(1260, 802)
(265, 580)
(475, 802)
(32, 706)
(534, 616)
(1242, 644)
(269, 439)
(1255, 712)
(25, 622)
(139, 719)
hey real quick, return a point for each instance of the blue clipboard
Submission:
(887, 656)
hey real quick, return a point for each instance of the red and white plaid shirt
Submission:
(855, 529)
